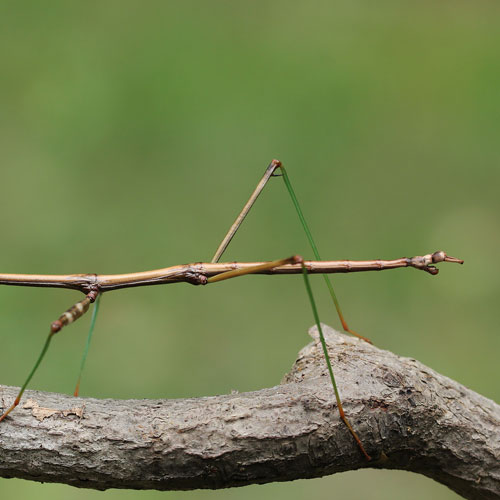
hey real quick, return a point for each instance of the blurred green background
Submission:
(131, 134)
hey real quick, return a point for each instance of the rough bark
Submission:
(408, 417)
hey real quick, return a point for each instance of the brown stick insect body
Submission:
(203, 273)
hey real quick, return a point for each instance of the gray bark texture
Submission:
(407, 416)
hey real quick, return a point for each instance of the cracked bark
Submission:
(408, 417)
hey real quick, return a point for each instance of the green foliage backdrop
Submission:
(130, 135)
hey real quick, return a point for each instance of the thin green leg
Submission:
(328, 282)
(295, 260)
(30, 376)
(270, 172)
(72, 314)
(328, 362)
(87, 344)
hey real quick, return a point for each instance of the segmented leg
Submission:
(254, 269)
(87, 344)
(72, 314)
(328, 282)
(329, 364)
(296, 259)
(248, 205)
(270, 172)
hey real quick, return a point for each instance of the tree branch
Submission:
(408, 417)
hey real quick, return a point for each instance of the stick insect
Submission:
(93, 286)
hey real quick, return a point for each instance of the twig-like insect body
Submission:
(207, 273)
(200, 272)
